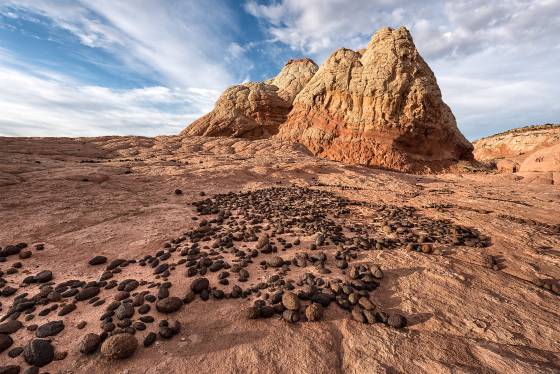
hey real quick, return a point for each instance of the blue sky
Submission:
(147, 67)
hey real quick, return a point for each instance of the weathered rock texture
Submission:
(463, 317)
(516, 142)
(293, 77)
(380, 107)
(255, 110)
(532, 152)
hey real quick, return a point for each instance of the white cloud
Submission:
(174, 40)
(171, 42)
(49, 104)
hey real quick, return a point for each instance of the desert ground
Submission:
(115, 197)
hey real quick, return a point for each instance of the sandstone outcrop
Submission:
(293, 77)
(532, 152)
(380, 106)
(255, 110)
(516, 142)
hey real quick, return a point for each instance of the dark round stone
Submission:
(14, 352)
(147, 319)
(66, 309)
(275, 262)
(290, 316)
(267, 311)
(8, 291)
(38, 352)
(87, 293)
(169, 305)
(49, 329)
(10, 326)
(199, 285)
(290, 301)
(150, 339)
(143, 309)
(89, 344)
(166, 332)
(10, 369)
(163, 293)
(44, 276)
(5, 342)
(97, 260)
(119, 346)
(253, 312)
(397, 321)
(121, 295)
(125, 310)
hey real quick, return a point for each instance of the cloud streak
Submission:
(47, 103)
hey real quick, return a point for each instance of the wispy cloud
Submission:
(171, 42)
(46, 103)
(174, 40)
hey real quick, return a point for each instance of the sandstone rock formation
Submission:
(255, 110)
(293, 77)
(380, 106)
(516, 142)
(532, 152)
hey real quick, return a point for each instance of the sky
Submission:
(149, 67)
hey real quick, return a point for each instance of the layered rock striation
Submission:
(380, 106)
(255, 110)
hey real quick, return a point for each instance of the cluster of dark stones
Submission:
(261, 228)
(20, 249)
(408, 228)
(63, 298)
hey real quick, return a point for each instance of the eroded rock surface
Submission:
(380, 107)
(255, 110)
(72, 199)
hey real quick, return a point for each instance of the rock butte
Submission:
(380, 106)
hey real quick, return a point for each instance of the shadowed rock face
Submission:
(380, 106)
(255, 110)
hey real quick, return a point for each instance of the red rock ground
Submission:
(463, 317)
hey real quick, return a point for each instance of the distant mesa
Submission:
(517, 142)
(531, 152)
(380, 106)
